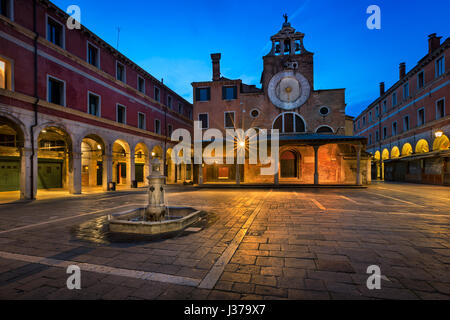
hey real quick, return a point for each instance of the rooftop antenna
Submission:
(118, 37)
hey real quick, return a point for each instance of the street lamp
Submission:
(439, 133)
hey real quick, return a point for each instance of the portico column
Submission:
(107, 170)
(358, 165)
(316, 165)
(26, 193)
(238, 173)
(75, 174)
(200, 174)
(131, 169)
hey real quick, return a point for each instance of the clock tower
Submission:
(288, 76)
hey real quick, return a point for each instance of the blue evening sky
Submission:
(174, 39)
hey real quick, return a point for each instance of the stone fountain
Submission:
(154, 218)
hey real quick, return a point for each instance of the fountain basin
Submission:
(132, 222)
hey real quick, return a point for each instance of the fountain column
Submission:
(156, 209)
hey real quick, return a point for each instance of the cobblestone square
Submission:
(261, 244)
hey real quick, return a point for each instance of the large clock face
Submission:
(289, 90)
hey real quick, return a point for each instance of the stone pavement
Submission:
(261, 244)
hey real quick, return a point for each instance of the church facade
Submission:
(316, 142)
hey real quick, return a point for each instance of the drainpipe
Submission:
(36, 95)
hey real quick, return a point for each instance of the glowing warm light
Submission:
(44, 131)
(2, 75)
(439, 134)
(242, 144)
(153, 154)
(99, 147)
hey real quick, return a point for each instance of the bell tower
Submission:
(287, 53)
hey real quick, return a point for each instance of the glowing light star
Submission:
(99, 147)
(242, 144)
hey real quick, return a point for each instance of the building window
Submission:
(229, 93)
(370, 116)
(120, 72)
(202, 94)
(169, 102)
(324, 111)
(406, 91)
(420, 117)
(190, 114)
(440, 109)
(170, 130)
(364, 121)
(5, 75)
(421, 80)
(440, 67)
(394, 128)
(384, 132)
(384, 106)
(377, 136)
(141, 120)
(370, 138)
(377, 111)
(157, 126)
(93, 55)
(289, 122)
(141, 85)
(180, 108)
(394, 99)
(121, 114)
(406, 126)
(56, 91)
(55, 32)
(359, 124)
(203, 118)
(6, 8)
(93, 104)
(229, 119)
(157, 95)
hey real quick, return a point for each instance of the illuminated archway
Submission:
(92, 152)
(422, 146)
(407, 150)
(377, 156)
(121, 163)
(441, 143)
(141, 163)
(395, 152)
(385, 155)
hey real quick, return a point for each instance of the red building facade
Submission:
(408, 126)
(74, 111)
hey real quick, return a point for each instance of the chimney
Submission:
(402, 70)
(216, 65)
(434, 42)
(382, 91)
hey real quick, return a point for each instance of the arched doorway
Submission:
(92, 167)
(121, 163)
(407, 150)
(288, 165)
(395, 152)
(13, 174)
(441, 143)
(324, 130)
(142, 164)
(56, 161)
(170, 167)
(422, 146)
